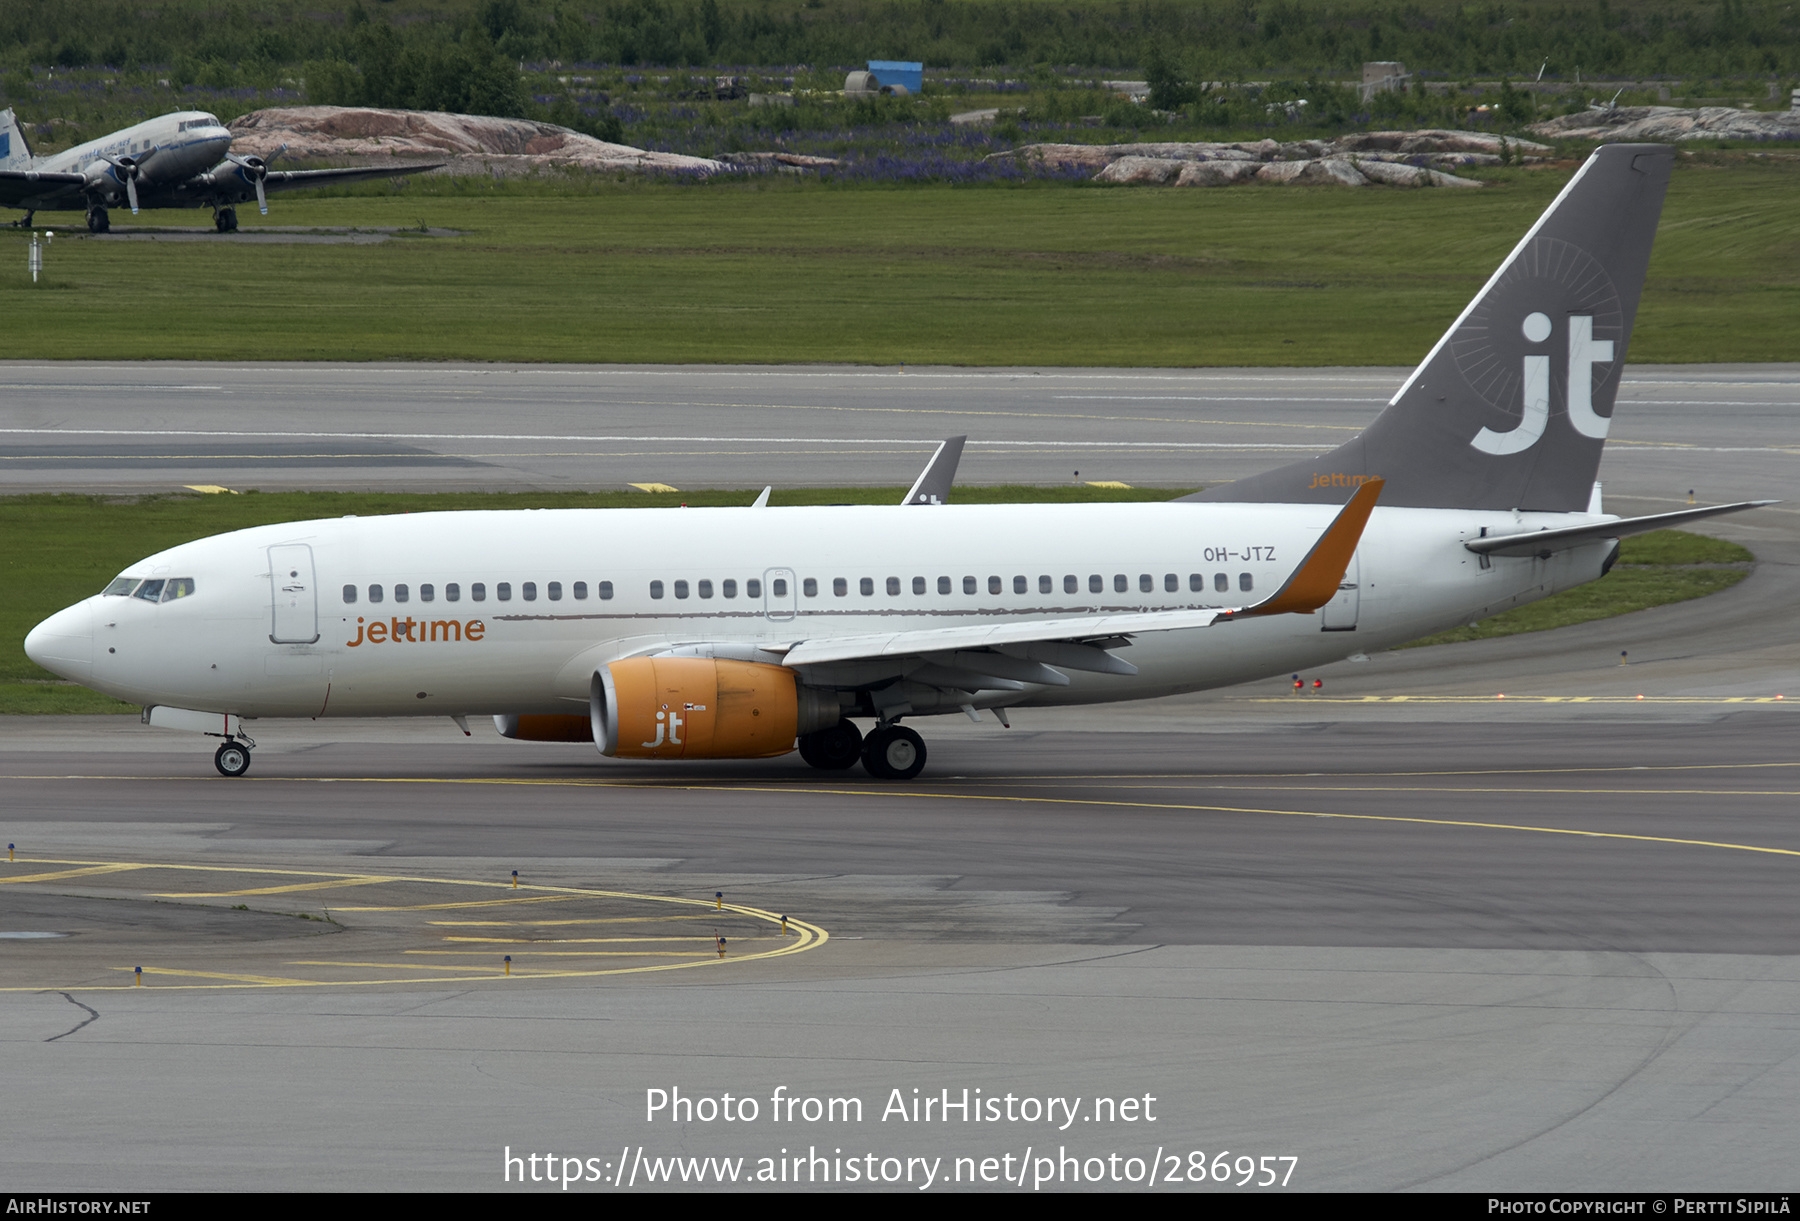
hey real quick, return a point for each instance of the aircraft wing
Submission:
(38, 187)
(1544, 543)
(1068, 641)
(290, 180)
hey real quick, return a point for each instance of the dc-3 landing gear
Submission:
(233, 758)
(98, 221)
(225, 220)
(893, 752)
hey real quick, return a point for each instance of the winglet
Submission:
(1315, 582)
(933, 485)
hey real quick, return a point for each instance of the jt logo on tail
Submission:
(1584, 353)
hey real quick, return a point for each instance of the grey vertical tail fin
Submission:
(932, 487)
(15, 149)
(1511, 408)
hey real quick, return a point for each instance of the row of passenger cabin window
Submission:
(478, 591)
(778, 587)
(1046, 584)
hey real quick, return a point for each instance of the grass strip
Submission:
(591, 269)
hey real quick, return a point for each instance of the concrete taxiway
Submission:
(1408, 932)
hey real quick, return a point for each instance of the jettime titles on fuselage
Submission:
(400, 631)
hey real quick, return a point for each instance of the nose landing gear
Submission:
(232, 759)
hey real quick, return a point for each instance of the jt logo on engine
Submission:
(672, 725)
(1584, 353)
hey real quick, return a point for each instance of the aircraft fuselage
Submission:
(512, 612)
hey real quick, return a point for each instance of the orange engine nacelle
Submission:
(702, 708)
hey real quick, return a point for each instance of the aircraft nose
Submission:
(64, 643)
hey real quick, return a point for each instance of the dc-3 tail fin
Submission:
(1511, 408)
(15, 149)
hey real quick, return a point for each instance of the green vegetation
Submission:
(784, 270)
(56, 550)
(1225, 39)
(1653, 570)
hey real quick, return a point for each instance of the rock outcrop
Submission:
(1661, 124)
(472, 144)
(1397, 158)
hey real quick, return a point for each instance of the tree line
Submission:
(468, 54)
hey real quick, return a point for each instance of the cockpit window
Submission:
(120, 588)
(150, 591)
(180, 587)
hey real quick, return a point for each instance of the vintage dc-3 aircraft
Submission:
(180, 160)
(741, 633)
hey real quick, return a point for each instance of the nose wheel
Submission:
(893, 752)
(232, 759)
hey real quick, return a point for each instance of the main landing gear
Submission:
(98, 221)
(225, 220)
(233, 758)
(890, 752)
(833, 749)
(893, 752)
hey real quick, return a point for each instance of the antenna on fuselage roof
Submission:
(1511, 408)
(933, 484)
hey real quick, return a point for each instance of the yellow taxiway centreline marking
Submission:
(1429, 788)
(437, 907)
(591, 940)
(1150, 805)
(265, 980)
(545, 923)
(391, 966)
(581, 953)
(349, 880)
(58, 876)
(1510, 699)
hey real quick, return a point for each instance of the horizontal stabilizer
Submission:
(1544, 543)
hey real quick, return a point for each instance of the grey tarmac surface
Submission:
(156, 426)
(1410, 933)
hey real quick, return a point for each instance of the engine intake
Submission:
(702, 708)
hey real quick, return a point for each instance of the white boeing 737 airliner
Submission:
(741, 633)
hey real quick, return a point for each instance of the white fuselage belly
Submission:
(213, 651)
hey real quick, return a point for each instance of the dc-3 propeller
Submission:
(128, 169)
(255, 169)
